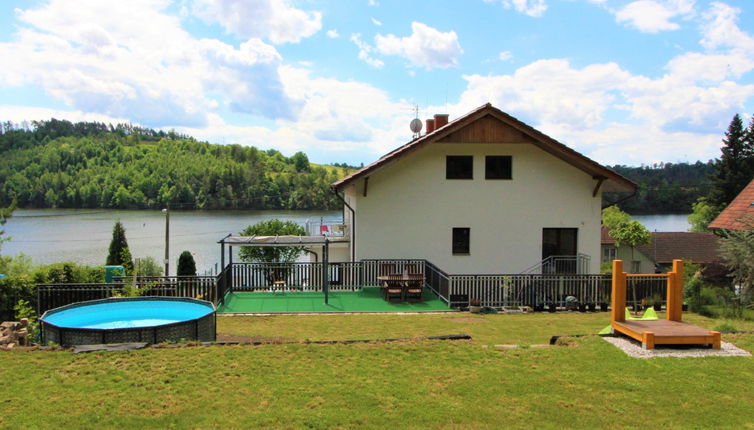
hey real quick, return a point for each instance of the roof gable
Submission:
(488, 124)
(743, 205)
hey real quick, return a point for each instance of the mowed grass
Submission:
(417, 384)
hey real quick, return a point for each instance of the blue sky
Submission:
(622, 81)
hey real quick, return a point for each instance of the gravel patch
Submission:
(634, 349)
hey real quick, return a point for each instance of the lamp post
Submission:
(166, 211)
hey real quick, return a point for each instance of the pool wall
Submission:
(200, 329)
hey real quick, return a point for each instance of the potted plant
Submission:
(552, 307)
(475, 306)
(592, 307)
(539, 307)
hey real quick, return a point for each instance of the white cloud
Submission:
(653, 16)
(720, 30)
(373, 3)
(505, 55)
(376, 22)
(275, 20)
(533, 8)
(425, 47)
(333, 34)
(137, 62)
(365, 51)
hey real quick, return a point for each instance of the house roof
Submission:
(730, 218)
(664, 247)
(613, 180)
(696, 247)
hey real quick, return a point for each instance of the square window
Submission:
(459, 167)
(498, 167)
(461, 237)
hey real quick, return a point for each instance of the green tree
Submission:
(735, 168)
(301, 162)
(273, 227)
(5, 213)
(632, 234)
(186, 264)
(148, 266)
(703, 213)
(613, 217)
(737, 248)
(119, 254)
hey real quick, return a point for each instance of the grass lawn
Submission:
(424, 384)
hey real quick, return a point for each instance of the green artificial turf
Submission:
(368, 299)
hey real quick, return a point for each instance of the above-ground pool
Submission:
(133, 319)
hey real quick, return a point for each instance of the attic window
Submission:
(459, 167)
(498, 167)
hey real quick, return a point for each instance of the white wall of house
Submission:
(636, 263)
(410, 209)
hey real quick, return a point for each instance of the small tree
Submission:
(119, 254)
(631, 233)
(733, 171)
(186, 264)
(703, 213)
(737, 248)
(613, 217)
(273, 227)
(148, 266)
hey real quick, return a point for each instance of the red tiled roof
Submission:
(696, 247)
(544, 142)
(743, 205)
(605, 237)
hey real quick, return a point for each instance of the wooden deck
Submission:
(665, 332)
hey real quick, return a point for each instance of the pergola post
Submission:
(619, 292)
(675, 292)
(326, 271)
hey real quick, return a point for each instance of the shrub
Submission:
(186, 264)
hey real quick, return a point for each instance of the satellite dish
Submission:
(416, 125)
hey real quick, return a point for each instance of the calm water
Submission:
(83, 235)
(676, 222)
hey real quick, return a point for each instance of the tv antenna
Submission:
(416, 123)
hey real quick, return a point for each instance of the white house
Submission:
(483, 194)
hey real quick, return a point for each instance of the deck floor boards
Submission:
(665, 332)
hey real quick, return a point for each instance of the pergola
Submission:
(281, 241)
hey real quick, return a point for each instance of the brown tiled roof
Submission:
(546, 143)
(605, 237)
(743, 205)
(697, 247)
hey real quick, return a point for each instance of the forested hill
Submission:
(92, 165)
(665, 187)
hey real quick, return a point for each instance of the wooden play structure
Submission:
(672, 330)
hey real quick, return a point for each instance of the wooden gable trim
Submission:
(487, 129)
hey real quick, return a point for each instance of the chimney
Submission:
(440, 120)
(430, 126)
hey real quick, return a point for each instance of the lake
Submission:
(83, 235)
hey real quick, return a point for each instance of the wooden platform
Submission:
(665, 332)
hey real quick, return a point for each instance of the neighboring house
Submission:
(482, 194)
(739, 209)
(636, 263)
(658, 254)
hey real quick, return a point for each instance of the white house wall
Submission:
(410, 209)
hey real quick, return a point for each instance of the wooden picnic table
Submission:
(402, 285)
